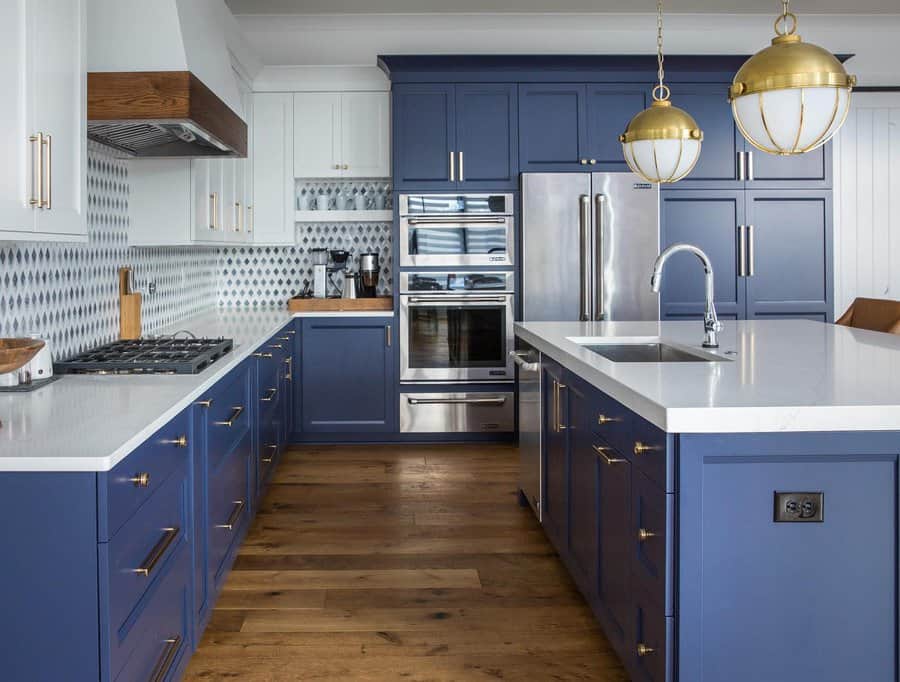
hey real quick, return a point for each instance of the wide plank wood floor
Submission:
(400, 563)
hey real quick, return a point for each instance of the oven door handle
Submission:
(458, 299)
(452, 221)
(457, 401)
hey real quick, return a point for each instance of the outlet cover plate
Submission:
(799, 507)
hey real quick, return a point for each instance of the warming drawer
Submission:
(457, 412)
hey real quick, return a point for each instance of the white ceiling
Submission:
(556, 6)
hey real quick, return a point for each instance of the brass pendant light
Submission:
(661, 143)
(790, 97)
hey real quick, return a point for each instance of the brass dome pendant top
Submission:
(790, 97)
(662, 142)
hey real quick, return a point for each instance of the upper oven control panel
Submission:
(455, 282)
(456, 204)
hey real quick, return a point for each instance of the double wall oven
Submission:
(456, 312)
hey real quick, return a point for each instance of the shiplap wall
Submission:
(867, 200)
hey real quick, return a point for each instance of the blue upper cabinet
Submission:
(455, 136)
(708, 219)
(790, 254)
(768, 171)
(609, 109)
(347, 365)
(552, 127)
(424, 135)
(486, 132)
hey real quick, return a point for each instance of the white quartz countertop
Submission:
(776, 375)
(91, 423)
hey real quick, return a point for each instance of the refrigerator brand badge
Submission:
(642, 185)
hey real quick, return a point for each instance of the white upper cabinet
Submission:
(272, 134)
(342, 135)
(43, 129)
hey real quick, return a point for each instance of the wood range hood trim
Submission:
(125, 98)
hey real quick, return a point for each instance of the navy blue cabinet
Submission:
(348, 375)
(455, 136)
(717, 166)
(583, 526)
(552, 127)
(555, 505)
(609, 109)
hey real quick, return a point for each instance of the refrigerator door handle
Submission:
(599, 208)
(584, 219)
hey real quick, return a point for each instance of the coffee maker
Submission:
(369, 273)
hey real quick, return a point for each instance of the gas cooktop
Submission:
(148, 356)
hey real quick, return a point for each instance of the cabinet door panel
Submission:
(583, 519)
(614, 497)
(717, 166)
(348, 375)
(59, 82)
(272, 218)
(609, 109)
(791, 253)
(486, 136)
(708, 219)
(553, 126)
(555, 516)
(811, 170)
(424, 133)
(365, 135)
(317, 140)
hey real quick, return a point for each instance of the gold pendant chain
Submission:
(659, 42)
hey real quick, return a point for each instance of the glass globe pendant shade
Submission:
(790, 97)
(662, 143)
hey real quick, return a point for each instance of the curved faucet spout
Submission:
(711, 324)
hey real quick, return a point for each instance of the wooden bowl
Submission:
(15, 353)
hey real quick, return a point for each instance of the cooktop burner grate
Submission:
(148, 356)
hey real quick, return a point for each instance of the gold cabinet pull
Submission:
(37, 170)
(140, 480)
(452, 167)
(289, 363)
(462, 175)
(237, 412)
(238, 220)
(262, 355)
(602, 450)
(48, 169)
(204, 403)
(249, 219)
(180, 442)
(290, 332)
(276, 345)
(284, 338)
(559, 388)
(644, 650)
(161, 671)
(604, 419)
(274, 449)
(235, 516)
(640, 448)
(346, 166)
(388, 336)
(158, 552)
(337, 166)
(214, 218)
(644, 534)
(270, 395)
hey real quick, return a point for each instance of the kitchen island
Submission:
(731, 515)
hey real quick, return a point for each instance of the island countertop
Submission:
(774, 375)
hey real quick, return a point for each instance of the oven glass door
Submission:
(450, 241)
(449, 338)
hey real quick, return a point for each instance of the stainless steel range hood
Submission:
(165, 92)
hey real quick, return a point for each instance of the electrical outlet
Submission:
(799, 507)
(151, 288)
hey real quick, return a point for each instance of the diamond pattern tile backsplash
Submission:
(69, 292)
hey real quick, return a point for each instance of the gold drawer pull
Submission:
(161, 671)
(644, 650)
(603, 419)
(204, 403)
(289, 363)
(284, 338)
(291, 332)
(270, 395)
(602, 450)
(644, 534)
(235, 516)
(159, 551)
(141, 480)
(37, 156)
(640, 448)
(274, 449)
(262, 355)
(180, 442)
(238, 411)
(276, 345)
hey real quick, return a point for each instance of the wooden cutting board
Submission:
(339, 305)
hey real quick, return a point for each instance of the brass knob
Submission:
(644, 650)
(346, 166)
(180, 442)
(141, 480)
(593, 162)
(640, 448)
(644, 534)
(584, 162)
(337, 166)
(603, 419)
(204, 403)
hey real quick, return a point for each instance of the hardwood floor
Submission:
(400, 562)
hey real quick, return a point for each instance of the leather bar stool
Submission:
(876, 314)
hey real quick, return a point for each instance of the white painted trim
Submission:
(321, 79)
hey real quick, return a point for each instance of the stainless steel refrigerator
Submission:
(588, 245)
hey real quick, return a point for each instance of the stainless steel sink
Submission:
(646, 352)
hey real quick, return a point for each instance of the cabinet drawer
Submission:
(229, 505)
(457, 412)
(160, 640)
(612, 422)
(228, 415)
(651, 656)
(651, 540)
(269, 450)
(651, 453)
(142, 473)
(142, 549)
